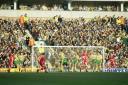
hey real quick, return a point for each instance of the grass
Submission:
(63, 78)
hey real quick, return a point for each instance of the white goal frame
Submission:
(103, 52)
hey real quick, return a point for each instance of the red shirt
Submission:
(42, 59)
(112, 58)
(84, 55)
(11, 57)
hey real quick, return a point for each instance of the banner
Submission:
(16, 70)
(115, 70)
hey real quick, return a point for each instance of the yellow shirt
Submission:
(122, 21)
(77, 57)
(41, 50)
(99, 57)
(62, 55)
(26, 19)
(21, 57)
(118, 21)
(16, 57)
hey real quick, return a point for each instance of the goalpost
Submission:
(55, 54)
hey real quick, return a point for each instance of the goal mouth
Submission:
(55, 56)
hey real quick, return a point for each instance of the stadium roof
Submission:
(100, 0)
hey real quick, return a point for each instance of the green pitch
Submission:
(63, 78)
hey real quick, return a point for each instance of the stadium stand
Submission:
(110, 32)
(18, 35)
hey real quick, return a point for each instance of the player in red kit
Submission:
(84, 59)
(112, 60)
(41, 61)
(11, 61)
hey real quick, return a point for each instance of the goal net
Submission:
(69, 58)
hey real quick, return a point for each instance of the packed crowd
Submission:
(13, 43)
(108, 31)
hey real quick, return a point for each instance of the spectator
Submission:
(21, 21)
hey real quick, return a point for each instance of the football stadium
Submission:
(64, 42)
